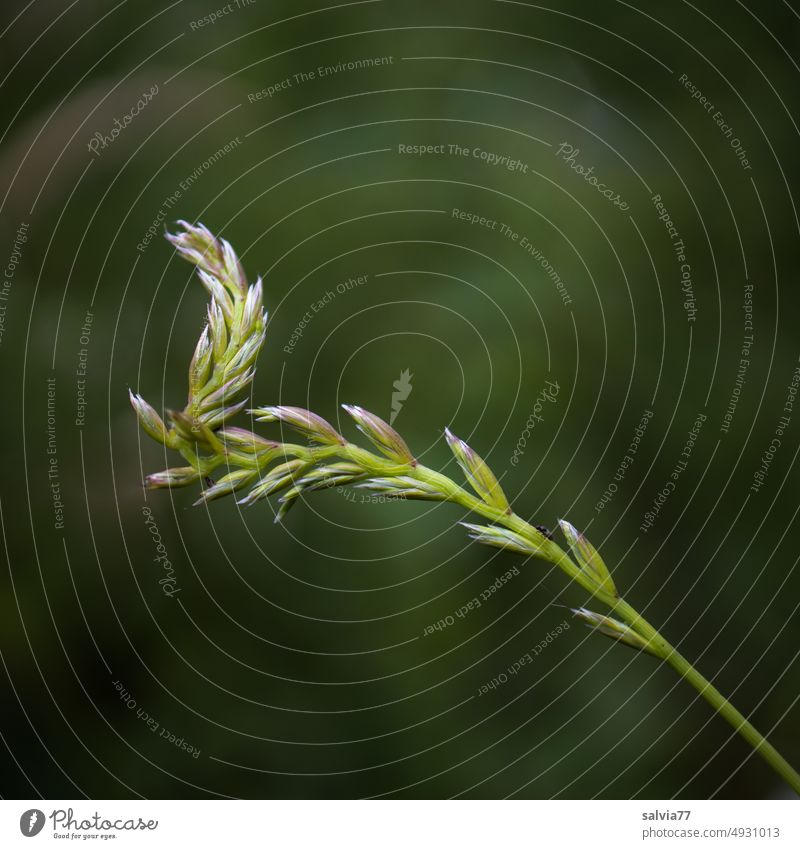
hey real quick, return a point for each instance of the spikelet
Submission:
(613, 628)
(479, 475)
(500, 537)
(384, 437)
(588, 558)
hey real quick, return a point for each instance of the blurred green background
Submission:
(294, 657)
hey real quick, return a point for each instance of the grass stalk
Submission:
(220, 374)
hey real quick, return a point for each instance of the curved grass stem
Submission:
(669, 654)
(711, 694)
(658, 646)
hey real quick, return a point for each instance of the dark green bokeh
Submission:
(294, 655)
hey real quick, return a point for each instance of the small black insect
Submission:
(545, 530)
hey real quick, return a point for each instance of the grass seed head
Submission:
(382, 435)
(172, 478)
(588, 558)
(304, 421)
(612, 628)
(479, 475)
(148, 418)
(499, 537)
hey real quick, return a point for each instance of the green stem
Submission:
(550, 551)
(711, 694)
(631, 617)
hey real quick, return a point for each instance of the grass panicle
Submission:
(254, 467)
